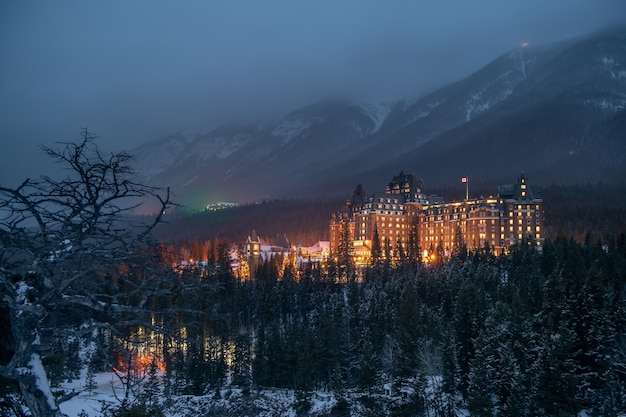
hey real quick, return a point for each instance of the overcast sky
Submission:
(133, 71)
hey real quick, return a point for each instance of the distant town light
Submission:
(220, 205)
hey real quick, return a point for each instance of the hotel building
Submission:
(515, 214)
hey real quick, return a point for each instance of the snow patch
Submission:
(423, 112)
(35, 368)
(485, 98)
(289, 128)
(614, 67)
(190, 181)
(377, 112)
(609, 105)
(236, 143)
(21, 295)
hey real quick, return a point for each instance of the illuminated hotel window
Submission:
(519, 236)
(538, 236)
(523, 193)
(538, 229)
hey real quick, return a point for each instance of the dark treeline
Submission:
(304, 221)
(576, 211)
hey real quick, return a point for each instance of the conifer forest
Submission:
(528, 333)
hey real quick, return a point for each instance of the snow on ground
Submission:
(108, 386)
(269, 402)
(233, 401)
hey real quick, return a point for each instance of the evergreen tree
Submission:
(414, 252)
(376, 248)
(73, 364)
(479, 389)
(168, 376)
(196, 369)
(305, 354)
(90, 380)
(345, 263)
(152, 387)
(468, 320)
(388, 253)
(407, 332)
(242, 361)
(459, 250)
(368, 365)
(400, 254)
(449, 374)
(611, 397)
(556, 381)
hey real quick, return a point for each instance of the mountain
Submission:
(556, 112)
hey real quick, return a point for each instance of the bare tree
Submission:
(62, 244)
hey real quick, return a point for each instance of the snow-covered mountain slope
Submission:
(252, 158)
(533, 108)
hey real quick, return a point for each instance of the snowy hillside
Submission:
(547, 102)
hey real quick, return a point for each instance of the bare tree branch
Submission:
(62, 242)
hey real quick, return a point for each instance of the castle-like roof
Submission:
(253, 238)
(519, 191)
(281, 242)
(405, 184)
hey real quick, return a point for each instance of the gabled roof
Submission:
(253, 238)
(281, 241)
(405, 184)
(519, 191)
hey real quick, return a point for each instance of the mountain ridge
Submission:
(554, 111)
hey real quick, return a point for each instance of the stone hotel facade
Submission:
(514, 214)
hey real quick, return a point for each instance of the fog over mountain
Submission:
(555, 111)
(133, 72)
